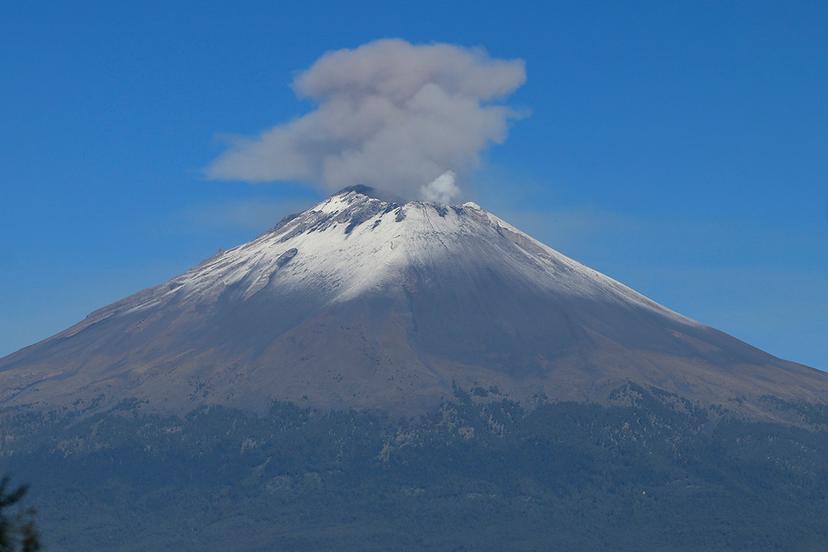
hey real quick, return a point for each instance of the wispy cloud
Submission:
(247, 215)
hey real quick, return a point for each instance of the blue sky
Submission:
(680, 147)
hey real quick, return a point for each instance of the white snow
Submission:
(340, 264)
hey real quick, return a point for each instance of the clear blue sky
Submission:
(681, 147)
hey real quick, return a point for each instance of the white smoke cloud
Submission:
(442, 189)
(389, 114)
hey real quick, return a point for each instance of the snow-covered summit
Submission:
(367, 302)
(353, 242)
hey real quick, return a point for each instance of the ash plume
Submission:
(403, 118)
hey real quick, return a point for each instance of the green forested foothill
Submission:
(652, 473)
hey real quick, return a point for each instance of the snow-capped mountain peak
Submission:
(353, 243)
(366, 301)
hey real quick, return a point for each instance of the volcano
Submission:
(369, 303)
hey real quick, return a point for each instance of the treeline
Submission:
(654, 472)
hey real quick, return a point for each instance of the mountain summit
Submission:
(366, 302)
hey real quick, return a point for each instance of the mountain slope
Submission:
(365, 302)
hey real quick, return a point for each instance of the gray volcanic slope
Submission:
(365, 303)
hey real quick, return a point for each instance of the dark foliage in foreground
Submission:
(654, 473)
(17, 527)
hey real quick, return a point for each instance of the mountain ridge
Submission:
(362, 302)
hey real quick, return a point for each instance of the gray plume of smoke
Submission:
(400, 117)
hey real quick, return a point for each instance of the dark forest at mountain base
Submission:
(654, 472)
